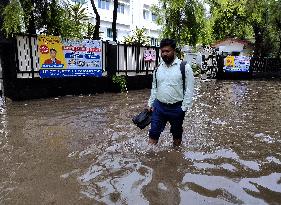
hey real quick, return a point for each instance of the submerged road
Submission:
(85, 149)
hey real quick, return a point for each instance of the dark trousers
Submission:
(163, 113)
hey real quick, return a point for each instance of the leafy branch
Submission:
(121, 82)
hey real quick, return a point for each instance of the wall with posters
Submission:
(21, 65)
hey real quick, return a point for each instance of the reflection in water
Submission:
(86, 150)
(166, 178)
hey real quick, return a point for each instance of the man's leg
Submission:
(158, 123)
(176, 120)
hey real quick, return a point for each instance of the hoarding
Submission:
(237, 64)
(149, 55)
(69, 57)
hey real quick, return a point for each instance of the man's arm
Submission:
(153, 91)
(189, 84)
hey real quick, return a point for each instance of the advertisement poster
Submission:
(51, 54)
(69, 58)
(149, 55)
(237, 64)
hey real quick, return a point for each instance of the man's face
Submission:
(53, 54)
(168, 54)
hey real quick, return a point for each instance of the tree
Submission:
(68, 21)
(257, 16)
(13, 18)
(114, 31)
(54, 19)
(229, 19)
(78, 17)
(266, 22)
(96, 34)
(90, 30)
(138, 38)
(4, 4)
(248, 19)
(28, 7)
(275, 21)
(29, 16)
(182, 20)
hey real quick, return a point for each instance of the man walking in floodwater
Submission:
(170, 96)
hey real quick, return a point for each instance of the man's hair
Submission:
(52, 49)
(168, 42)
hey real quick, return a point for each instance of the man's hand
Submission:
(150, 109)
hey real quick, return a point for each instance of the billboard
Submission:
(69, 57)
(237, 64)
(149, 55)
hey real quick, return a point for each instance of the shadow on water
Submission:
(85, 150)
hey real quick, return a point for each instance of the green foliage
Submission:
(47, 17)
(230, 19)
(187, 22)
(54, 20)
(90, 30)
(74, 21)
(139, 37)
(13, 18)
(196, 69)
(68, 21)
(182, 20)
(205, 36)
(248, 19)
(274, 19)
(121, 82)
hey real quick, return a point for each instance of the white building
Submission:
(131, 14)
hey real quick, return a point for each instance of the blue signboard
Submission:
(48, 73)
(237, 64)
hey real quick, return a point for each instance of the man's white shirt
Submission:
(170, 86)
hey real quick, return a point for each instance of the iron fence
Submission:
(120, 59)
(129, 58)
(265, 65)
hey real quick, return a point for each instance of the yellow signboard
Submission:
(229, 61)
(51, 53)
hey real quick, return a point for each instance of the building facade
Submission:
(131, 14)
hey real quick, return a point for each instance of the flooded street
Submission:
(86, 150)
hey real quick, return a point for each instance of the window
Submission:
(121, 8)
(109, 33)
(103, 4)
(154, 42)
(145, 14)
(154, 17)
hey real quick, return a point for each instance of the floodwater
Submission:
(85, 149)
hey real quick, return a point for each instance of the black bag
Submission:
(142, 119)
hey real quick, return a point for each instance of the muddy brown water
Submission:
(85, 149)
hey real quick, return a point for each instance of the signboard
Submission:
(69, 58)
(150, 55)
(237, 64)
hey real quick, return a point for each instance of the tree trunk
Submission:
(165, 7)
(279, 50)
(114, 31)
(28, 8)
(96, 34)
(31, 24)
(258, 31)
